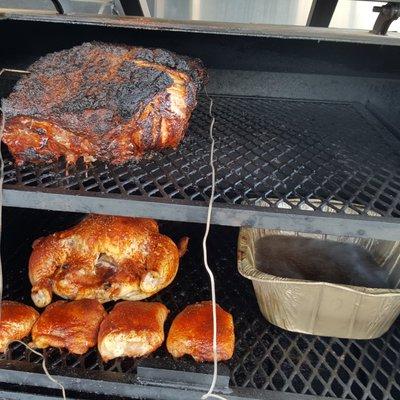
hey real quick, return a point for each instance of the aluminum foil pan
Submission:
(321, 308)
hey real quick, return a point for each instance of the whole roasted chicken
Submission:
(101, 101)
(104, 258)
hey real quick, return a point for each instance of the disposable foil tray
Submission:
(322, 308)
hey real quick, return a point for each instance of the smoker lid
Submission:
(219, 28)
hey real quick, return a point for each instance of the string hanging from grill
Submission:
(205, 256)
(2, 125)
(64, 396)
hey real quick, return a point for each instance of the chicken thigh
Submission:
(192, 332)
(132, 329)
(16, 321)
(72, 325)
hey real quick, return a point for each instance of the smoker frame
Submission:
(318, 66)
(382, 111)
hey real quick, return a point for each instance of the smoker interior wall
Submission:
(22, 225)
(291, 68)
(26, 40)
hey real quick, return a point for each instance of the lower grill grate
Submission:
(278, 150)
(266, 357)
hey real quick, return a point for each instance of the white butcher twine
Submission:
(2, 125)
(210, 273)
(45, 368)
(3, 121)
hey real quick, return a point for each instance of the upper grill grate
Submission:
(281, 151)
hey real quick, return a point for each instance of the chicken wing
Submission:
(192, 331)
(132, 329)
(104, 258)
(16, 321)
(72, 325)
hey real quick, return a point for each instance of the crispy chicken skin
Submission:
(16, 321)
(192, 329)
(132, 329)
(104, 258)
(103, 102)
(72, 325)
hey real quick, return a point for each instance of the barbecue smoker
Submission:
(307, 120)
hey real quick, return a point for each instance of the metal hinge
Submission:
(387, 14)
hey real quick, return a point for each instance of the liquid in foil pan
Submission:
(320, 308)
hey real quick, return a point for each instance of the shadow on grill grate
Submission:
(266, 357)
(270, 149)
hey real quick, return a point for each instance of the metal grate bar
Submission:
(265, 358)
